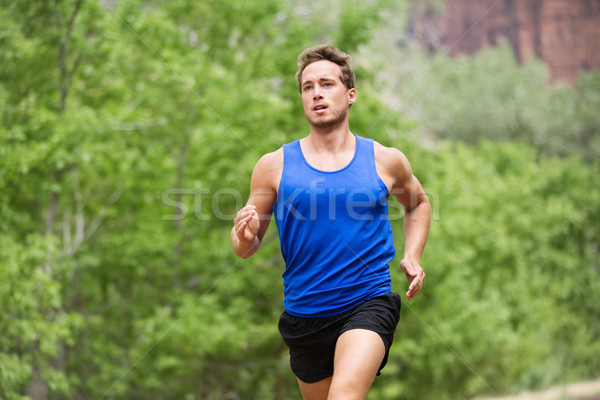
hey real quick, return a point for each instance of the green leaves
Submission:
(511, 288)
(120, 173)
(490, 96)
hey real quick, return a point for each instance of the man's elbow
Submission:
(420, 205)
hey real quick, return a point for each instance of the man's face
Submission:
(324, 96)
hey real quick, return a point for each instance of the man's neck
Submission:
(332, 141)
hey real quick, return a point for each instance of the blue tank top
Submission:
(334, 231)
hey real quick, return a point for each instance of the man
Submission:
(328, 192)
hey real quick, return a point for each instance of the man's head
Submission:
(329, 53)
(326, 83)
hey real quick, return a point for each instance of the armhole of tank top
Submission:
(381, 182)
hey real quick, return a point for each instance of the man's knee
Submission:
(315, 391)
(348, 390)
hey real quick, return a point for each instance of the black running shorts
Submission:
(312, 340)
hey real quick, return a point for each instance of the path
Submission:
(576, 391)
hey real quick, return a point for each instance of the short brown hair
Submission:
(329, 53)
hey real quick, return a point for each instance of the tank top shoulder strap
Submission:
(366, 145)
(366, 154)
(292, 155)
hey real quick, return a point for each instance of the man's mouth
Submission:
(320, 108)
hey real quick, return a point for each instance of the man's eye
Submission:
(327, 84)
(307, 88)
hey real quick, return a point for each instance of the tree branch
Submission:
(94, 226)
(72, 19)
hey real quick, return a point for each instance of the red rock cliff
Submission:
(565, 34)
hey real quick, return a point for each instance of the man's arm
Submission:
(417, 217)
(397, 174)
(252, 221)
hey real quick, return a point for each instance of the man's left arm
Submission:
(417, 217)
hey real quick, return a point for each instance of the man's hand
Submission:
(414, 274)
(246, 224)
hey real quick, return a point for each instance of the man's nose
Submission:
(317, 92)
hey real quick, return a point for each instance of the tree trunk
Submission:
(181, 158)
(38, 388)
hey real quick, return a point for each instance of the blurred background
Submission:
(129, 130)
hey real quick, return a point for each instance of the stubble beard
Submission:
(329, 122)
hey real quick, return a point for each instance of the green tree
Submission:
(512, 293)
(129, 130)
(490, 96)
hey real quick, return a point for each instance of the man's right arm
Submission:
(252, 221)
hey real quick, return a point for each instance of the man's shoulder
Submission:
(269, 159)
(391, 162)
(387, 155)
(267, 171)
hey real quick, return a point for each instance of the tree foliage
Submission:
(490, 96)
(129, 130)
(512, 291)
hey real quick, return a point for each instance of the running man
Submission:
(328, 192)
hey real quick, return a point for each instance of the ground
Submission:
(589, 390)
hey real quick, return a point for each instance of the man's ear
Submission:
(351, 96)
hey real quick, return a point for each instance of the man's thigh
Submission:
(315, 391)
(358, 357)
